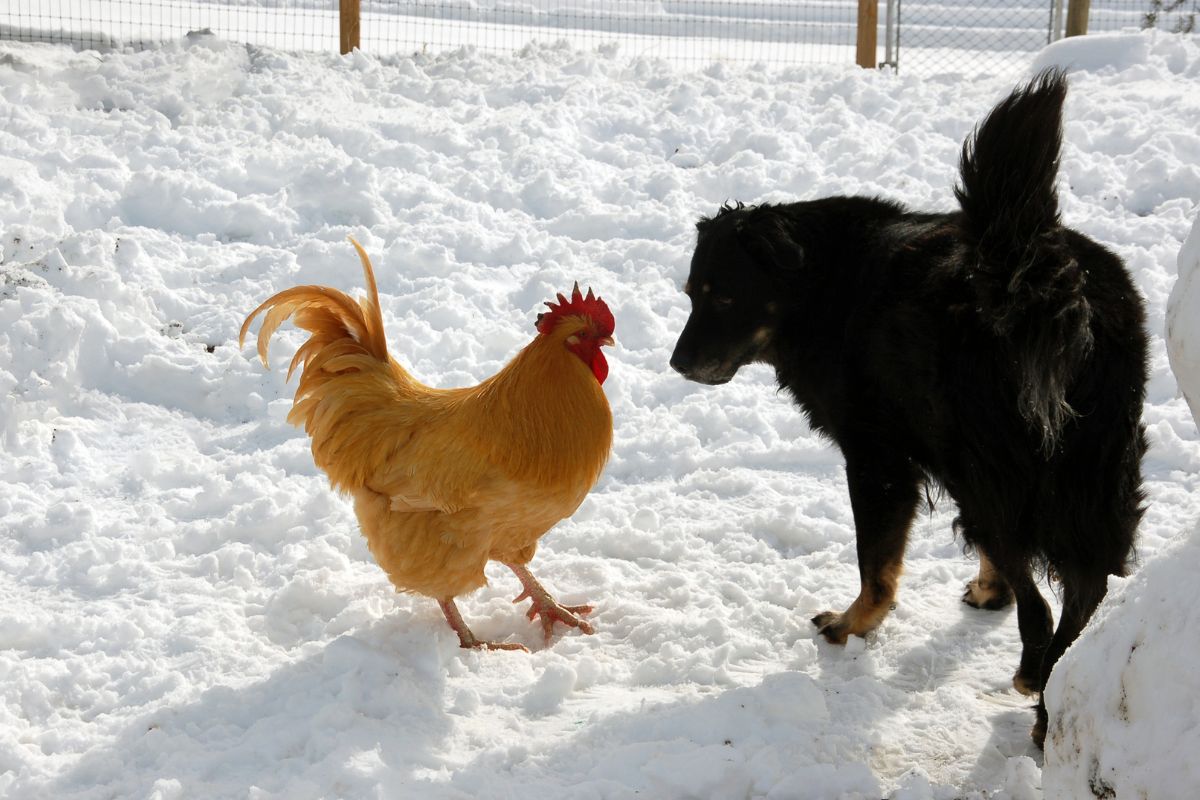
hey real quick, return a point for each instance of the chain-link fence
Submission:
(691, 32)
(687, 31)
(998, 36)
(970, 36)
(924, 36)
(101, 24)
(1173, 16)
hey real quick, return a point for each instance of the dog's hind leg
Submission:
(884, 500)
(1007, 571)
(1081, 594)
(1036, 626)
(989, 590)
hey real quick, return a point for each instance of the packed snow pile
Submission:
(1124, 701)
(1183, 322)
(187, 610)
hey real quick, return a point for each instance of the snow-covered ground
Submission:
(186, 610)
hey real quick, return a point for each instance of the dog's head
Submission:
(745, 259)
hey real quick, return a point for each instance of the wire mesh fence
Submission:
(1172, 16)
(971, 36)
(964, 36)
(103, 24)
(686, 31)
(999, 36)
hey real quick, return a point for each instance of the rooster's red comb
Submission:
(579, 305)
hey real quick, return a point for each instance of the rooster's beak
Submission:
(607, 340)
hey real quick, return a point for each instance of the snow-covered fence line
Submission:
(970, 36)
(686, 31)
(998, 36)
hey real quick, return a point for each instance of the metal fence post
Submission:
(349, 24)
(1077, 17)
(1056, 22)
(891, 38)
(868, 21)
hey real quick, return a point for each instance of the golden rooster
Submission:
(445, 479)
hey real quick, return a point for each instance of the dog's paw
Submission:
(987, 596)
(832, 626)
(1038, 734)
(1025, 684)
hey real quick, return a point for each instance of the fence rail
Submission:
(918, 35)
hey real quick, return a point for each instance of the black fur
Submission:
(990, 350)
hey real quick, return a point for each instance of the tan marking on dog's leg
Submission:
(1023, 684)
(989, 590)
(873, 603)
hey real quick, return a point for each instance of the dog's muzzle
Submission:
(712, 375)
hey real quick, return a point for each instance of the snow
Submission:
(1125, 699)
(1183, 321)
(187, 610)
(1111, 51)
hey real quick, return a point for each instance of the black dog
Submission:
(991, 351)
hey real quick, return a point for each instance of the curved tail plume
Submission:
(346, 373)
(1028, 286)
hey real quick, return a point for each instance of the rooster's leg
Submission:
(547, 606)
(466, 639)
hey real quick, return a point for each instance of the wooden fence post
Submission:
(349, 24)
(868, 22)
(1077, 17)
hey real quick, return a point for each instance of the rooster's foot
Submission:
(545, 606)
(471, 643)
(466, 639)
(550, 611)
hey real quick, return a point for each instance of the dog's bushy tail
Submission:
(1028, 286)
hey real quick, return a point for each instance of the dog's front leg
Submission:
(884, 496)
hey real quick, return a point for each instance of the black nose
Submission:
(681, 364)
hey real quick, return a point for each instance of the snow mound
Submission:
(1183, 321)
(1094, 53)
(1124, 701)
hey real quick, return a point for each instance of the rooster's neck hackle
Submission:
(550, 401)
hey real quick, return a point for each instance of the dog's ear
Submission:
(704, 224)
(764, 233)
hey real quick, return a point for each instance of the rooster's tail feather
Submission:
(347, 376)
(329, 315)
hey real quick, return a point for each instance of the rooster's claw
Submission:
(476, 644)
(550, 611)
(547, 607)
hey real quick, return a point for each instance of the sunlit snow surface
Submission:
(186, 610)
